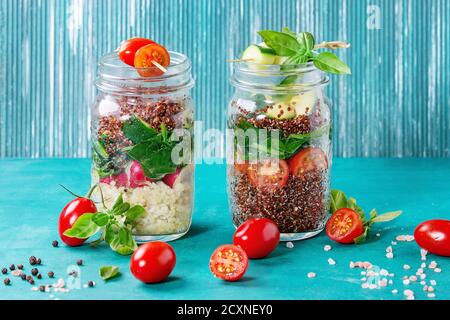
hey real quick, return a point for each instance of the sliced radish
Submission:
(171, 178)
(137, 175)
(121, 180)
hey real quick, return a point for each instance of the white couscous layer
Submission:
(168, 210)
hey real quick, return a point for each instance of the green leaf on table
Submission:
(386, 217)
(362, 238)
(100, 219)
(338, 200)
(137, 130)
(83, 228)
(284, 44)
(329, 62)
(109, 272)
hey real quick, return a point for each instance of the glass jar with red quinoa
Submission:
(279, 157)
(142, 144)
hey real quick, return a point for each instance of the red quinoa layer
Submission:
(154, 113)
(300, 206)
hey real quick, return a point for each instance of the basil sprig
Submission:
(115, 226)
(339, 200)
(299, 48)
(109, 272)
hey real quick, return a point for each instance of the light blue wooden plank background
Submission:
(396, 103)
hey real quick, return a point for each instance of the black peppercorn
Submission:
(91, 284)
(12, 267)
(32, 260)
(23, 276)
(31, 281)
(79, 262)
(41, 288)
(39, 276)
(34, 271)
(20, 266)
(4, 271)
(7, 282)
(29, 278)
(55, 243)
(38, 261)
(51, 274)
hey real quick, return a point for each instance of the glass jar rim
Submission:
(115, 75)
(247, 75)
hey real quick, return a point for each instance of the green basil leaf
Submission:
(83, 228)
(387, 217)
(284, 44)
(352, 204)
(137, 130)
(100, 219)
(289, 32)
(362, 238)
(338, 200)
(120, 209)
(134, 213)
(109, 272)
(329, 62)
(119, 201)
(307, 41)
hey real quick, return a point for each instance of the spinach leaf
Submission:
(137, 130)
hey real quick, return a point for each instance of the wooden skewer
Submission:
(333, 45)
(160, 67)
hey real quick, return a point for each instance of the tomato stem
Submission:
(72, 193)
(91, 191)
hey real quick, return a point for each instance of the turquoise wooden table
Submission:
(30, 202)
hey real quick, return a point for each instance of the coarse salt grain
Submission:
(423, 252)
(289, 245)
(419, 271)
(412, 278)
(394, 243)
(423, 265)
(383, 283)
(406, 267)
(423, 276)
(378, 235)
(311, 275)
(438, 270)
(406, 282)
(431, 295)
(395, 291)
(389, 249)
(425, 288)
(430, 289)
(372, 286)
(363, 273)
(389, 255)
(423, 283)
(363, 279)
(408, 292)
(327, 248)
(365, 285)
(352, 265)
(433, 282)
(390, 281)
(331, 262)
(406, 238)
(432, 265)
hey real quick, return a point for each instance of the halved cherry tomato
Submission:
(434, 236)
(153, 262)
(229, 262)
(147, 54)
(344, 226)
(308, 159)
(258, 237)
(69, 215)
(128, 49)
(240, 167)
(270, 175)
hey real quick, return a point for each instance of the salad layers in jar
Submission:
(280, 161)
(142, 126)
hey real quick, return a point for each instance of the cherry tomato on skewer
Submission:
(127, 50)
(147, 55)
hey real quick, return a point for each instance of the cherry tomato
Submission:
(270, 175)
(434, 236)
(69, 215)
(308, 159)
(153, 262)
(121, 180)
(128, 49)
(147, 54)
(258, 237)
(229, 262)
(241, 167)
(344, 226)
(171, 178)
(137, 175)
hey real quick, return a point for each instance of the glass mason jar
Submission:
(279, 151)
(142, 144)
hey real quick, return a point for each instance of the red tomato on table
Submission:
(69, 215)
(229, 262)
(153, 262)
(344, 226)
(258, 237)
(434, 236)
